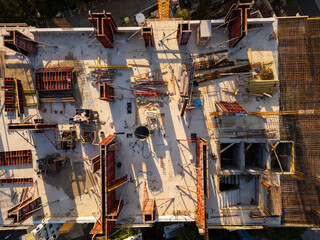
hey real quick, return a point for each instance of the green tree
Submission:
(183, 13)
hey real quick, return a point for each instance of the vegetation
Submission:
(123, 233)
(190, 231)
(32, 12)
(183, 13)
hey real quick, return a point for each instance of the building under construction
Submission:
(212, 121)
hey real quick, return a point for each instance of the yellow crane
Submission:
(163, 9)
(273, 113)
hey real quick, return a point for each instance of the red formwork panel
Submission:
(110, 206)
(107, 174)
(109, 227)
(106, 92)
(29, 209)
(236, 19)
(54, 79)
(184, 33)
(110, 166)
(95, 163)
(22, 211)
(10, 158)
(148, 37)
(19, 43)
(20, 97)
(106, 27)
(9, 94)
(230, 107)
(235, 27)
(15, 180)
(31, 126)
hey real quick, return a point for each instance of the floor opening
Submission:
(230, 155)
(256, 156)
(285, 154)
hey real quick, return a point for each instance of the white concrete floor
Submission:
(161, 160)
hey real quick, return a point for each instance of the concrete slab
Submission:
(161, 161)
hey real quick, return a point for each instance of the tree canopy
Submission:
(32, 12)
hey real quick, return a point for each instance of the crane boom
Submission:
(163, 9)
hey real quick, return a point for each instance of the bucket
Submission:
(142, 133)
(140, 19)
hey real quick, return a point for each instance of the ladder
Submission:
(163, 8)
